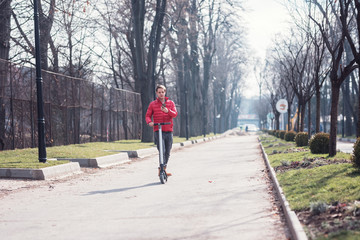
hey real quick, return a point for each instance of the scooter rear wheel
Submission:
(163, 177)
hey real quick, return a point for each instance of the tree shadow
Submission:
(354, 173)
(121, 189)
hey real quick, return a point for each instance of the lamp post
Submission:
(39, 94)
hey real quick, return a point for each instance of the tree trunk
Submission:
(318, 106)
(302, 116)
(348, 108)
(138, 10)
(5, 15)
(277, 120)
(358, 122)
(351, 100)
(45, 25)
(309, 118)
(145, 74)
(194, 92)
(205, 88)
(147, 132)
(335, 92)
(289, 116)
(298, 117)
(181, 62)
(325, 107)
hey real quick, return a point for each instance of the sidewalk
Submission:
(220, 190)
(345, 147)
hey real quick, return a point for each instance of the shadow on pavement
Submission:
(121, 189)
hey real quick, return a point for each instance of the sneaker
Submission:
(167, 173)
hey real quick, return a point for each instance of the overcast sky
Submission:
(265, 19)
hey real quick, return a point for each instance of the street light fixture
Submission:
(39, 94)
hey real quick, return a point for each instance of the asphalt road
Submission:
(219, 190)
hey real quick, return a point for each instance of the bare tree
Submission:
(356, 52)
(145, 66)
(274, 96)
(46, 20)
(294, 59)
(227, 79)
(334, 31)
(178, 47)
(210, 23)
(193, 64)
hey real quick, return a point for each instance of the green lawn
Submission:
(328, 183)
(337, 182)
(28, 158)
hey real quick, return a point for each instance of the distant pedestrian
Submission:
(246, 128)
(162, 110)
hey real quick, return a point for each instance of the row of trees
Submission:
(322, 49)
(194, 47)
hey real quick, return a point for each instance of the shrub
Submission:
(282, 134)
(277, 133)
(319, 143)
(317, 208)
(289, 136)
(355, 157)
(301, 139)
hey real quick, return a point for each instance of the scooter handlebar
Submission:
(165, 123)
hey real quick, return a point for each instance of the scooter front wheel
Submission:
(163, 177)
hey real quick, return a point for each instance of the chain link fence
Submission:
(76, 111)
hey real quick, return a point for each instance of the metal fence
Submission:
(76, 111)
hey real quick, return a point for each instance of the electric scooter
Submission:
(162, 175)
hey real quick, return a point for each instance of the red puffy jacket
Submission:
(154, 110)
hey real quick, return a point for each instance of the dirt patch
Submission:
(337, 217)
(308, 163)
(290, 150)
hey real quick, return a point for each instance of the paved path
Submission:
(219, 191)
(346, 147)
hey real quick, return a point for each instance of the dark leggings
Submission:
(167, 138)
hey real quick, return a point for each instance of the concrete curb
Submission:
(186, 143)
(347, 140)
(42, 173)
(141, 153)
(146, 152)
(176, 146)
(296, 229)
(100, 162)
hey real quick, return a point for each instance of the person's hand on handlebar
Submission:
(151, 124)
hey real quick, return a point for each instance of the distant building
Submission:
(248, 119)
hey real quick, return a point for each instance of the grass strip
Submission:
(28, 158)
(328, 183)
(336, 182)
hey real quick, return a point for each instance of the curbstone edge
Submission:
(296, 229)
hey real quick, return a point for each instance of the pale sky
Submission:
(265, 19)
